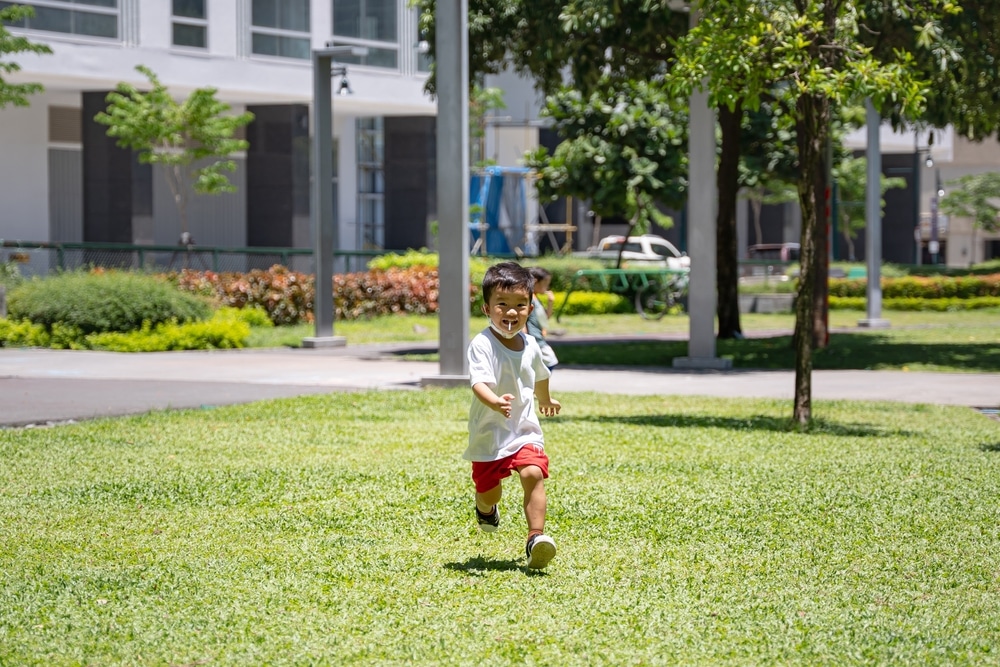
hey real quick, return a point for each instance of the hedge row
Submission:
(917, 287)
(287, 296)
(914, 303)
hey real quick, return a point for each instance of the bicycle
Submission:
(656, 298)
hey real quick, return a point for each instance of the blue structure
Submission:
(500, 194)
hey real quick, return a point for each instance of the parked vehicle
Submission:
(780, 252)
(645, 249)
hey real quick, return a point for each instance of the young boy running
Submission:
(507, 373)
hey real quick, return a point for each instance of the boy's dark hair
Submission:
(539, 274)
(509, 276)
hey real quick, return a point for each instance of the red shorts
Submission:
(487, 474)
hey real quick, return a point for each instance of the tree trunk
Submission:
(811, 129)
(726, 243)
(821, 255)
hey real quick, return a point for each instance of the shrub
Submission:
(22, 333)
(223, 332)
(594, 303)
(285, 295)
(362, 295)
(408, 260)
(915, 304)
(101, 301)
(918, 287)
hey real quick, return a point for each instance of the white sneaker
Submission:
(540, 549)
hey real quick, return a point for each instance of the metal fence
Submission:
(37, 259)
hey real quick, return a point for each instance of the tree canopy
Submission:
(193, 139)
(16, 94)
(975, 196)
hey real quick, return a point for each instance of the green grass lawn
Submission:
(966, 341)
(338, 529)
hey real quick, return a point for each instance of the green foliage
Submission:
(593, 303)
(22, 333)
(222, 332)
(409, 259)
(975, 196)
(946, 304)
(10, 274)
(16, 94)
(625, 150)
(917, 287)
(102, 301)
(177, 135)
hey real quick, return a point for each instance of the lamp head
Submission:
(929, 162)
(345, 86)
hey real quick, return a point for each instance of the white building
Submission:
(63, 180)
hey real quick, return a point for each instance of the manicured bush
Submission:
(916, 304)
(285, 295)
(101, 301)
(22, 333)
(918, 287)
(593, 303)
(218, 333)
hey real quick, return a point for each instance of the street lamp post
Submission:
(323, 214)
(934, 246)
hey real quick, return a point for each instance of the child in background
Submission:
(507, 374)
(538, 320)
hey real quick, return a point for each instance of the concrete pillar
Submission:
(452, 48)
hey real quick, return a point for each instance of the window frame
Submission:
(202, 22)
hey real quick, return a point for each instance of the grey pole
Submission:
(703, 205)
(452, 75)
(322, 212)
(873, 219)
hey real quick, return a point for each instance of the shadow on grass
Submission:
(819, 425)
(994, 448)
(479, 565)
(847, 351)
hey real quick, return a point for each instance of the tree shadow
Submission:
(990, 447)
(819, 426)
(847, 351)
(478, 565)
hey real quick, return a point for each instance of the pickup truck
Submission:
(640, 250)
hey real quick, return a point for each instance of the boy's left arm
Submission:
(548, 405)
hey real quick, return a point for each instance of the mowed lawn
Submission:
(338, 529)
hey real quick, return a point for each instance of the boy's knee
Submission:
(532, 473)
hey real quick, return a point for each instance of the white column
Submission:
(703, 205)
(453, 188)
(873, 221)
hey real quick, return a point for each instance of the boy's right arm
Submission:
(489, 398)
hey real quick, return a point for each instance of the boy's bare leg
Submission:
(486, 500)
(532, 481)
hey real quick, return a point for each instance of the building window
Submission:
(94, 18)
(371, 23)
(371, 183)
(280, 28)
(190, 27)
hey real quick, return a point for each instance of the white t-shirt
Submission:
(491, 435)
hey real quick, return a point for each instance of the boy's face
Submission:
(508, 310)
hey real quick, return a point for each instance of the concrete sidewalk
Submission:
(41, 386)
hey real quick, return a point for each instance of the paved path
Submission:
(38, 386)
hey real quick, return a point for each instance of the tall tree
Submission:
(624, 151)
(806, 55)
(589, 45)
(16, 94)
(193, 139)
(977, 197)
